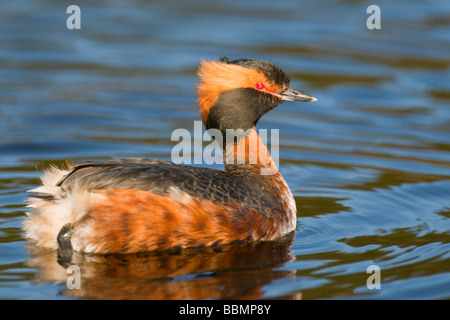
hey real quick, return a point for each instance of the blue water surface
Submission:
(368, 164)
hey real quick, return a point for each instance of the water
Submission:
(368, 164)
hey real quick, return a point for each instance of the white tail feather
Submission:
(50, 211)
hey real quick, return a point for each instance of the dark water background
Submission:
(368, 164)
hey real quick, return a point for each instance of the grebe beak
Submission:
(293, 95)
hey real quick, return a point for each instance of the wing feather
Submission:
(160, 177)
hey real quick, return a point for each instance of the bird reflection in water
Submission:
(224, 272)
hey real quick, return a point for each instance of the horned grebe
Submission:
(138, 205)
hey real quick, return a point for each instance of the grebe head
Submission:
(235, 94)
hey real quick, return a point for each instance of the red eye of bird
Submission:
(259, 85)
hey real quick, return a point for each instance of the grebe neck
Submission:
(247, 152)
